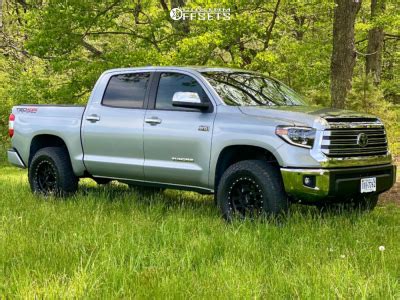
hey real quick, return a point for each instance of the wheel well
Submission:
(43, 141)
(233, 154)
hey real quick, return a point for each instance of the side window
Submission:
(126, 90)
(170, 83)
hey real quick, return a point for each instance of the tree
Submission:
(343, 53)
(376, 36)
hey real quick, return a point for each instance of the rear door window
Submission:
(126, 90)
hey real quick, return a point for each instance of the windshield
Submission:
(252, 89)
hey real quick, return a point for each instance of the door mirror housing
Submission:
(189, 100)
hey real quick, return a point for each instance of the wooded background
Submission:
(342, 53)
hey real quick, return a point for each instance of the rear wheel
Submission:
(50, 172)
(249, 189)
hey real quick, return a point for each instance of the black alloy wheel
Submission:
(250, 189)
(51, 173)
(245, 198)
(46, 177)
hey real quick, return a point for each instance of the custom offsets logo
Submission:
(202, 14)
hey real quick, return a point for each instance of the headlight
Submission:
(298, 136)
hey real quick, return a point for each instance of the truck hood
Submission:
(299, 115)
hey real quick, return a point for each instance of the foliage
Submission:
(111, 242)
(53, 51)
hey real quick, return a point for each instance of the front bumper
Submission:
(335, 183)
(15, 159)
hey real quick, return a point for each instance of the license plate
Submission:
(368, 185)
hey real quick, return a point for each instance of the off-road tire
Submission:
(266, 178)
(58, 164)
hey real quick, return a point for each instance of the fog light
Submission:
(309, 181)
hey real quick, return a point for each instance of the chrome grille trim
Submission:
(340, 139)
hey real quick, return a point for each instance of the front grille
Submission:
(352, 139)
(352, 120)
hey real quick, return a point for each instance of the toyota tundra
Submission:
(246, 138)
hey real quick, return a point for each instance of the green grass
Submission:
(110, 242)
(396, 146)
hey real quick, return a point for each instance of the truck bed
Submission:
(38, 120)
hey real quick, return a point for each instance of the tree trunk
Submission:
(343, 53)
(376, 35)
(183, 25)
(1, 15)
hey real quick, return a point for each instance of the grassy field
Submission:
(113, 242)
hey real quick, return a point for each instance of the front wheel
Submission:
(251, 188)
(50, 172)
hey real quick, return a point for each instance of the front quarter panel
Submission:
(232, 127)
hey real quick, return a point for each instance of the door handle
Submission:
(153, 120)
(93, 118)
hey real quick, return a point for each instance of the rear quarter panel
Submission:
(61, 121)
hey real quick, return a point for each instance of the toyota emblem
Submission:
(362, 140)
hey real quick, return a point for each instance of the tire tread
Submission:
(267, 175)
(67, 181)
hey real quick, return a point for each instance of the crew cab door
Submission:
(112, 127)
(177, 141)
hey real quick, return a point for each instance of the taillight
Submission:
(11, 125)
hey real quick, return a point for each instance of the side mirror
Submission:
(189, 100)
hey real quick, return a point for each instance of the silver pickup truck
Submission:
(247, 138)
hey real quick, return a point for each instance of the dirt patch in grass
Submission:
(393, 195)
